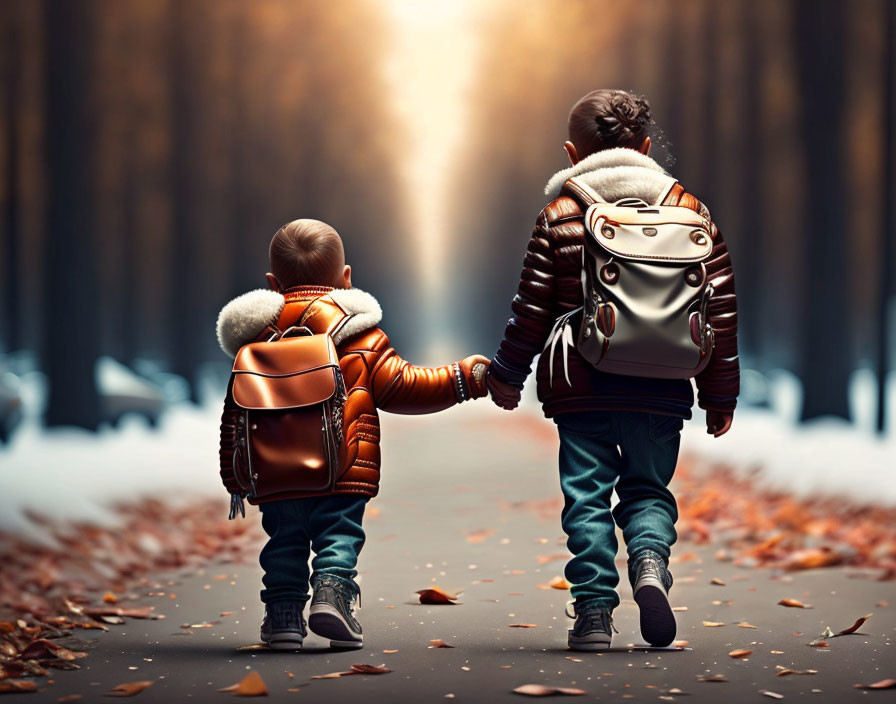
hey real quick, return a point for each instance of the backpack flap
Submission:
(666, 233)
(290, 373)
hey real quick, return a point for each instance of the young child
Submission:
(615, 431)
(309, 281)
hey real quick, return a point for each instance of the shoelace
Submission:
(606, 621)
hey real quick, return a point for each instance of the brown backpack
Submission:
(282, 427)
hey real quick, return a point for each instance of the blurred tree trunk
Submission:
(12, 234)
(70, 328)
(185, 330)
(885, 280)
(129, 308)
(710, 142)
(752, 250)
(824, 360)
(242, 279)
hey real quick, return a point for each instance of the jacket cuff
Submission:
(722, 405)
(502, 372)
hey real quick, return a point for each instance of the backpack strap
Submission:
(583, 191)
(671, 195)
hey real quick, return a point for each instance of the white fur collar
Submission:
(616, 173)
(364, 312)
(243, 319)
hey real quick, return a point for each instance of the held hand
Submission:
(718, 422)
(504, 395)
(475, 369)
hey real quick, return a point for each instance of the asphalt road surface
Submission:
(470, 504)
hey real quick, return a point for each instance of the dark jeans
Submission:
(636, 454)
(328, 525)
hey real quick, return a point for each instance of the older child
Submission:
(616, 431)
(310, 285)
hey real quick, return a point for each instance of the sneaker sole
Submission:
(587, 645)
(658, 626)
(285, 642)
(326, 622)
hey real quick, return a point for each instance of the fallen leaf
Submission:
(679, 608)
(853, 628)
(559, 583)
(744, 624)
(712, 678)
(227, 613)
(540, 690)
(252, 685)
(71, 698)
(680, 644)
(738, 654)
(110, 598)
(713, 624)
(439, 643)
(114, 620)
(390, 652)
(254, 646)
(794, 604)
(129, 689)
(523, 625)
(8, 686)
(355, 670)
(369, 670)
(770, 694)
(437, 596)
(811, 558)
(479, 536)
(883, 684)
(718, 582)
(132, 612)
(787, 671)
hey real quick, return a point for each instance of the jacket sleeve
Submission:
(398, 386)
(719, 383)
(532, 307)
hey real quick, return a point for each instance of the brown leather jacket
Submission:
(375, 376)
(550, 285)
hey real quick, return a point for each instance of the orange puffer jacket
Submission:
(376, 377)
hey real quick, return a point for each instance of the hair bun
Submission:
(627, 115)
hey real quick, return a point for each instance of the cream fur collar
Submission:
(615, 174)
(243, 319)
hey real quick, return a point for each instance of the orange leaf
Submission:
(713, 624)
(718, 582)
(7, 686)
(559, 583)
(883, 684)
(744, 624)
(794, 604)
(129, 689)
(439, 643)
(250, 686)
(523, 625)
(110, 598)
(738, 654)
(854, 627)
(787, 671)
(437, 596)
(369, 670)
(712, 678)
(540, 690)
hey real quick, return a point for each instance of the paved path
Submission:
(471, 504)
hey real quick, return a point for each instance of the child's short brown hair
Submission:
(307, 253)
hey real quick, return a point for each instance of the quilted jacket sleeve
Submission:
(532, 307)
(398, 386)
(718, 384)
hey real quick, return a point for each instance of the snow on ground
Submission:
(75, 475)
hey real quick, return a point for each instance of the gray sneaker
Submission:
(283, 627)
(331, 613)
(651, 582)
(593, 629)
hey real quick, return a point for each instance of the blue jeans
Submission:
(636, 454)
(328, 525)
